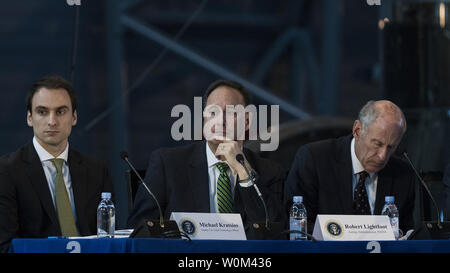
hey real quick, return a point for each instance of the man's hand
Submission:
(227, 151)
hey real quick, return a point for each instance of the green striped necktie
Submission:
(224, 196)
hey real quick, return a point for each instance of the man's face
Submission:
(375, 146)
(51, 118)
(218, 126)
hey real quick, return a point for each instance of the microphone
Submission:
(439, 224)
(252, 176)
(272, 230)
(124, 156)
(171, 226)
(428, 230)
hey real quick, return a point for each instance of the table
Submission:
(131, 245)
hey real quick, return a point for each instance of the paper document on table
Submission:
(122, 233)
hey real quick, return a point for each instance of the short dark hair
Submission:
(232, 84)
(52, 82)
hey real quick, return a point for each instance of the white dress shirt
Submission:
(213, 175)
(371, 180)
(50, 172)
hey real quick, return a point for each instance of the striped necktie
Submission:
(224, 197)
(63, 207)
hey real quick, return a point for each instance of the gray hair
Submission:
(368, 114)
(371, 111)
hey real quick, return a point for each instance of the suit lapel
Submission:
(198, 177)
(343, 173)
(38, 180)
(78, 175)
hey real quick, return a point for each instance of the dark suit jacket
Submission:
(322, 174)
(26, 206)
(178, 177)
(446, 181)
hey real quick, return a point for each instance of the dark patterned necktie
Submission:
(224, 197)
(360, 200)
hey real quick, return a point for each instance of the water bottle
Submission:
(106, 217)
(298, 219)
(390, 209)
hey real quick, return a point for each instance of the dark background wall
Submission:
(339, 60)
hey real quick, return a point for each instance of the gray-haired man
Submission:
(353, 174)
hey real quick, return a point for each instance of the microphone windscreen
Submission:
(123, 155)
(240, 158)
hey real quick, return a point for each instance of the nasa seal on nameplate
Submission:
(219, 226)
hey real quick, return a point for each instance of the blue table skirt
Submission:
(128, 245)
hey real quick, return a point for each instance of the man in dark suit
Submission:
(353, 174)
(188, 178)
(47, 189)
(446, 182)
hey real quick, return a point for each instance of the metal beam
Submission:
(156, 36)
(118, 118)
(327, 97)
(128, 4)
(304, 58)
(273, 54)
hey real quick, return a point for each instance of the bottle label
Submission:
(300, 225)
(395, 228)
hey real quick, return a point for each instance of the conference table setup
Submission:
(156, 245)
(225, 233)
(225, 136)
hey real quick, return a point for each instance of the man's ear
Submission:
(75, 118)
(29, 120)
(357, 129)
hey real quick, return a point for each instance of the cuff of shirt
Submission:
(246, 183)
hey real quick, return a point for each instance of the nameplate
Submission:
(353, 228)
(218, 226)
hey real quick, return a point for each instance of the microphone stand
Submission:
(272, 229)
(405, 154)
(165, 229)
(253, 177)
(161, 219)
(442, 230)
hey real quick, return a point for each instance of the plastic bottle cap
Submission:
(389, 199)
(298, 199)
(106, 195)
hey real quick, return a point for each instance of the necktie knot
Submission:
(363, 175)
(58, 163)
(223, 167)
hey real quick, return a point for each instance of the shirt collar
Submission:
(45, 156)
(356, 164)
(210, 157)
